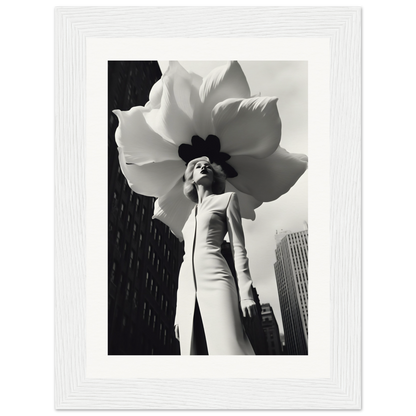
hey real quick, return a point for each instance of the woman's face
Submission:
(203, 173)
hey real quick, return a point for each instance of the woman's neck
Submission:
(203, 192)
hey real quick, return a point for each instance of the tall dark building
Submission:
(144, 257)
(271, 329)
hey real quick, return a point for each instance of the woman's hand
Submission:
(249, 308)
(176, 329)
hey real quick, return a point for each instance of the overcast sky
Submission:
(289, 82)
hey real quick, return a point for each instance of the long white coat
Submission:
(206, 277)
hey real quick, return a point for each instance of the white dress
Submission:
(206, 280)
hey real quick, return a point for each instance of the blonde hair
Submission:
(218, 184)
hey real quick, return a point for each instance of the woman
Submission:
(208, 308)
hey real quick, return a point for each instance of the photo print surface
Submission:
(245, 290)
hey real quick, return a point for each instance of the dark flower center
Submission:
(210, 147)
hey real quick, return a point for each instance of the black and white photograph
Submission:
(213, 180)
(207, 208)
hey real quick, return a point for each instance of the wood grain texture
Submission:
(343, 27)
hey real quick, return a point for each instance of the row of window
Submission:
(152, 321)
(131, 195)
(305, 318)
(300, 262)
(149, 316)
(301, 236)
(151, 254)
(303, 293)
(149, 281)
(129, 337)
(132, 298)
(153, 288)
(128, 288)
(153, 229)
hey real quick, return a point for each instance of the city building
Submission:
(271, 330)
(144, 257)
(291, 270)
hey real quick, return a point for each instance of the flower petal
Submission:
(173, 120)
(267, 179)
(227, 81)
(185, 83)
(173, 209)
(250, 127)
(247, 203)
(155, 95)
(140, 144)
(153, 179)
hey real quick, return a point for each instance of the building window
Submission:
(127, 290)
(144, 310)
(140, 240)
(113, 273)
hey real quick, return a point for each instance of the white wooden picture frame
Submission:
(332, 378)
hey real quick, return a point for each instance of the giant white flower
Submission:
(189, 116)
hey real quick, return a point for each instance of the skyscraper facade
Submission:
(271, 330)
(144, 257)
(291, 270)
